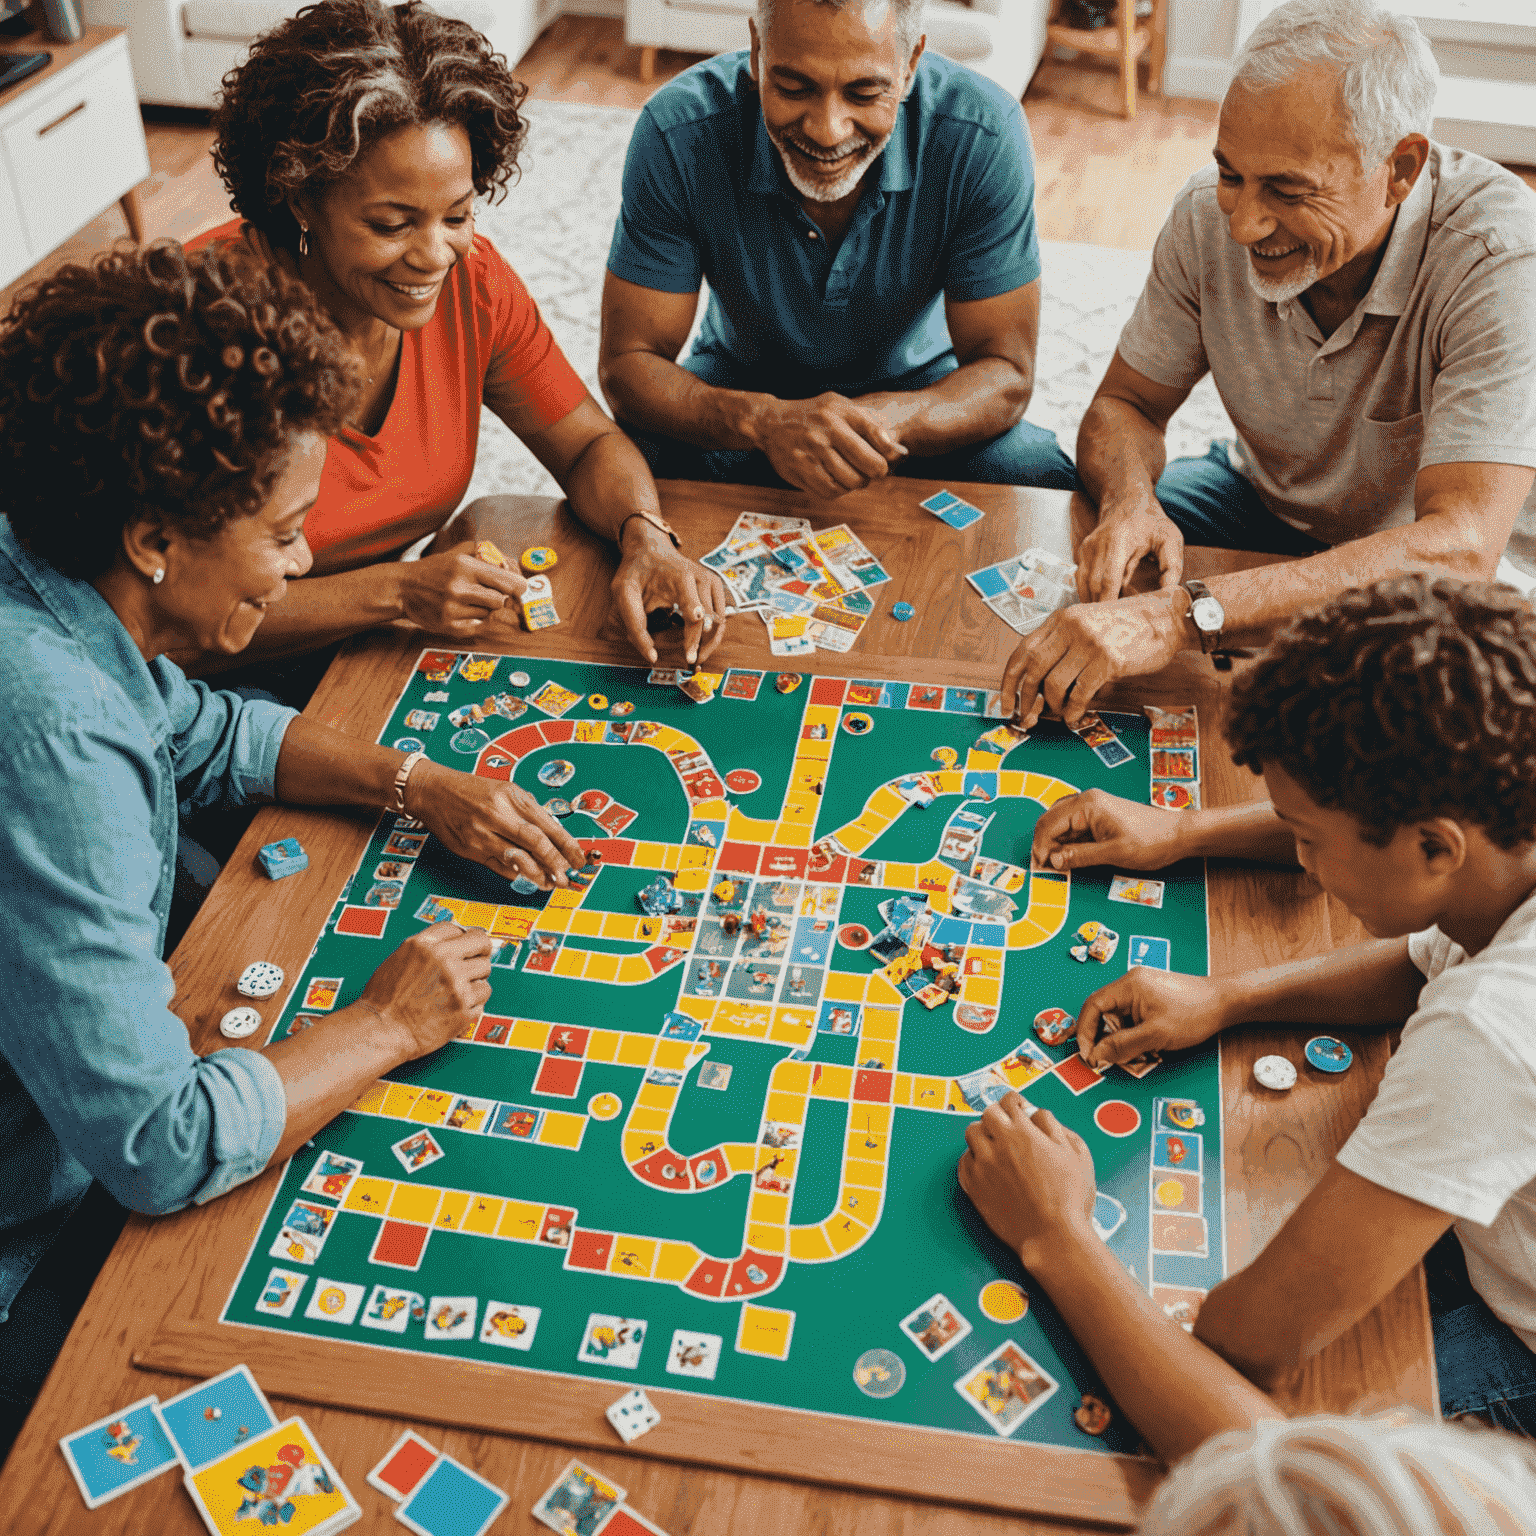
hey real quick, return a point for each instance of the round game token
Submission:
(555, 772)
(1092, 1416)
(1054, 1025)
(239, 1022)
(858, 723)
(1117, 1118)
(1184, 1113)
(540, 558)
(604, 1106)
(1274, 1072)
(978, 1018)
(1172, 797)
(408, 744)
(597, 701)
(591, 801)
(902, 611)
(1170, 1193)
(854, 936)
(558, 807)
(1003, 1301)
(743, 781)
(1329, 1055)
(259, 979)
(519, 679)
(787, 682)
(945, 757)
(879, 1373)
(469, 740)
(623, 707)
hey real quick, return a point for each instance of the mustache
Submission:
(857, 141)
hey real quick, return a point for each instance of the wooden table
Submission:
(1276, 1147)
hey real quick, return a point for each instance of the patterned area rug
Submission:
(556, 223)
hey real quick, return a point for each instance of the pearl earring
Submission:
(159, 576)
(303, 239)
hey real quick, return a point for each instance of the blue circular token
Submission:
(1329, 1055)
(469, 740)
(408, 744)
(903, 611)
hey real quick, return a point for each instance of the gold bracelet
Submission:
(401, 775)
(655, 522)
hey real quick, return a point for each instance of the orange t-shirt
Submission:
(487, 334)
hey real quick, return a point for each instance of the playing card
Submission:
(1006, 1387)
(118, 1452)
(553, 700)
(404, 1465)
(694, 1354)
(612, 1341)
(633, 1415)
(581, 1502)
(207, 1420)
(1136, 890)
(334, 1301)
(451, 1500)
(451, 1317)
(628, 1522)
(508, 1326)
(389, 1309)
(1152, 952)
(280, 1294)
(418, 1151)
(935, 1327)
(281, 1478)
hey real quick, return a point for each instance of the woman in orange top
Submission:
(354, 141)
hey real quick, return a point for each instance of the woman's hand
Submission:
(1148, 1010)
(1028, 1175)
(495, 824)
(454, 595)
(651, 575)
(433, 987)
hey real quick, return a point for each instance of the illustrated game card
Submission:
(1136, 890)
(118, 1452)
(451, 1317)
(615, 1341)
(280, 1479)
(553, 700)
(451, 1500)
(581, 1502)
(694, 1354)
(1006, 1387)
(208, 1420)
(508, 1326)
(935, 1327)
(334, 1301)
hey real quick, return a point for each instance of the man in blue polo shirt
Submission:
(864, 215)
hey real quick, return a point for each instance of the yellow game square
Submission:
(415, 1202)
(562, 1129)
(861, 1204)
(866, 1141)
(1057, 791)
(635, 1050)
(792, 1077)
(844, 1233)
(863, 1175)
(648, 856)
(676, 1261)
(482, 1215)
(552, 920)
(633, 971)
(813, 751)
(880, 989)
(702, 1008)
(769, 1209)
(450, 1214)
(590, 730)
(844, 987)
(766, 1239)
(602, 1045)
(529, 1035)
(694, 856)
(601, 966)
(882, 1024)
(787, 1108)
(901, 877)
(697, 879)
(741, 1156)
(791, 836)
(672, 1055)
(654, 1121)
(632, 1256)
(807, 1245)
(656, 1096)
(765, 1331)
(371, 1100)
(399, 1099)
(748, 829)
(513, 923)
(370, 1195)
(835, 1082)
(981, 989)
(856, 838)
(949, 781)
(901, 1089)
(1010, 784)
(930, 1092)
(432, 1107)
(886, 803)
(711, 810)
(478, 914)
(520, 1220)
(587, 925)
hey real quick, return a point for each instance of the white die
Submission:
(259, 979)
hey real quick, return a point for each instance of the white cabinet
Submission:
(69, 147)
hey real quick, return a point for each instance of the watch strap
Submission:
(1210, 641)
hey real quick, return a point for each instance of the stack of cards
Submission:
(585, 1503)
(1175, 758)
(1027, 589)
(949, 508)
(434, 1494)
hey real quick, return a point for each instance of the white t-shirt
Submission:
(1454, 1124)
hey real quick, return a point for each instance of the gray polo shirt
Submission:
(1437, 364)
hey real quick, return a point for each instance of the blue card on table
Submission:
(118, 1452)
(451, 1501)
(1151, 952)
(206, 1421)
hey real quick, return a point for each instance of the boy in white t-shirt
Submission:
(1396, 732)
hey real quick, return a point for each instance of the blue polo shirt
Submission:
(948, 209)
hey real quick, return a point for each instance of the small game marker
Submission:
(1329, 1055)
(259, 979)
(519, 679)
(1002, 1301)
(539, 558)
(903, 611)
(1274, 1072)
(239, 1022)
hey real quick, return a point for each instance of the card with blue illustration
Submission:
(209, 1420)
(949, 508)
(1151, 952)
(121, 1451)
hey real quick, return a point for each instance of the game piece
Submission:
(903, 612)
(701, 686)
(556, 772)
(284, 857)
(1006, 1387)
(239, 1022)
(786, 682)
(118, 1452)
(278, 1478)
(633, 1415)
(519, 679)
(1055, 1026)
(597, 701)
(404, 1465)
(558, 807)
(580, 1500)
(1092, 1415)
(1136, 890)
(538, 605)
(540, 558)
(259, 979)
(1329, 1055)
(451, 1500)
(935, 1327)
(488, 552)
(1275, 1072)
(879, 1373)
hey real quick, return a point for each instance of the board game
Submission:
(704, 1136)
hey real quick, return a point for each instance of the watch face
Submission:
(1207, 614)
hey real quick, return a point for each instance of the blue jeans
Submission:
(1484, 1366)
(1213, 504)
(1024, 455)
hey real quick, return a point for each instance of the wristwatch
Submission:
(1210, 619)
(655, 522)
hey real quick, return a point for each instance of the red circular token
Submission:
(1117, 1118)
(743, 780)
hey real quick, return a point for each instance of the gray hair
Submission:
(1387, 75)
(908, 13)
(1398, 1474)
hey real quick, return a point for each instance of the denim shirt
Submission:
(98, 1078)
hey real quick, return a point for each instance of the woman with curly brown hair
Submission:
(163, 423)
(354, 141)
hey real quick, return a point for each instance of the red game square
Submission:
(1077, 1074)
(615, 850)
(521, 742)
(363, 922)
(873, 1087)
(829, 690)
(555, 732)
(737, 859)
(400, 1244)
(784, 862)
(559, 1077)
(566, 1041)
(589, 1250)
(832, 873)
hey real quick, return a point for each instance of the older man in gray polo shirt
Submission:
(1365, 302)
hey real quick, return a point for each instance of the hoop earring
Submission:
(303, 240)
(159, 576)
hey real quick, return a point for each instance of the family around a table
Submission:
(216, 457)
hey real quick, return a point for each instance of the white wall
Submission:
(1203, 36)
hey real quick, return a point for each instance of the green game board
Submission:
(748, 1136)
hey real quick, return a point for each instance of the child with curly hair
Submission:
(1395, 728)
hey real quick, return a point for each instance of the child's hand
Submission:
(1148, 1010)
(1098, 828)
(1028, 1175)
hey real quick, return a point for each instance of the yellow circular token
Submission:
(1003, 1301)
(331, 1300)
(604, 1106)
(945, 757)
(1170, 1192)
(597, 701)
(540, 558)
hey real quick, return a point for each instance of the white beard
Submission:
(828, 191)
(1278, 289)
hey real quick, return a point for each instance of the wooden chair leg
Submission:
(1128, 54)
(647, 65)
(133, 212)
